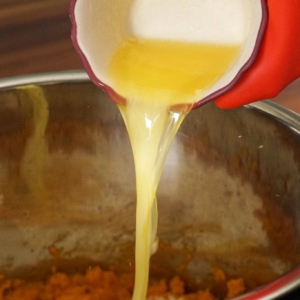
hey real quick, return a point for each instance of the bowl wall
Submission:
(228, 198)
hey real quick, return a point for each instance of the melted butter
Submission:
(155, 77)
(36, 151)
(168, 72)
(151, 131)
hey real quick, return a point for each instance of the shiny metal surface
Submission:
(229, 195)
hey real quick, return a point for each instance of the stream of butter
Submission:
(160, 81)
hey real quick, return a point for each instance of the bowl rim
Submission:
(280, 113)
(279, 287)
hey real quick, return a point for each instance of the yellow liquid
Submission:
(172, 73)
(36, 152)
(154, 76)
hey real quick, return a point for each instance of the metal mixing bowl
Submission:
(229, 195)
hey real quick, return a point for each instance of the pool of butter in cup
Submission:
(158, 72)
(160, 81)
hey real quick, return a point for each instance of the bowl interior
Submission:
(228, 198)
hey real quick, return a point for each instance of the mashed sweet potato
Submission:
(98, 284)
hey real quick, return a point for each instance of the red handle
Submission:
(278, 61)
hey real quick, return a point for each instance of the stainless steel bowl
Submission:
(228, 198)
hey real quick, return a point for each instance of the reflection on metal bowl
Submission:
(228, 198)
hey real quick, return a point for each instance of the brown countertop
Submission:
(35, 37)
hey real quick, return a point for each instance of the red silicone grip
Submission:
(278, 60)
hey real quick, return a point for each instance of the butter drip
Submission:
(160, 81)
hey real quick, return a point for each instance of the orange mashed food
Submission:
(98, 284)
